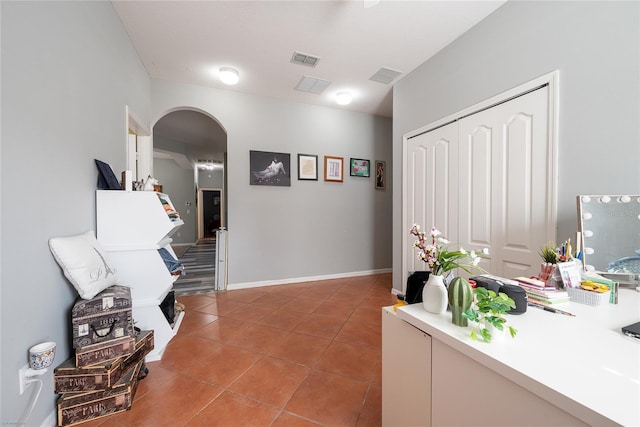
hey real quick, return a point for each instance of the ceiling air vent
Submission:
(304, 59)
(385, 75)
(312, 85)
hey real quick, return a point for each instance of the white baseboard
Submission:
(246, 285)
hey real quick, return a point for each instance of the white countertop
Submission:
(584, 364)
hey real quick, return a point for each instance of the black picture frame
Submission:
(381, 172)
(360, 167)
(106, 178)
(307, 167)
(269, 168)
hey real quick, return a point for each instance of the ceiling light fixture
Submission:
(343, 98)
(228, 75)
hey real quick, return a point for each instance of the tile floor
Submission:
(305, 354)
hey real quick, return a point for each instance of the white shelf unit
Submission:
(132, 226)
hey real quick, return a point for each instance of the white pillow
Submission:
(84, 263)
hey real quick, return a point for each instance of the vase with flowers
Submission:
(441, 257)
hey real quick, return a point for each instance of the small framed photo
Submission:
(307, 167)
(360, 167)
(380, 175)
(333, 167)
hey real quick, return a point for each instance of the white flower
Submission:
(485, 251)
(435, 232)
(462, 251)
(476, 261)
(473, 254)
(443, 241)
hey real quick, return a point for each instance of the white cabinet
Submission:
(406, 373)
(132, 226)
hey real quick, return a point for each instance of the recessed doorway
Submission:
(210, 212)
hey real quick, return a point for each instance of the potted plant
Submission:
(549, 255)
(489, 314)
(441, 257)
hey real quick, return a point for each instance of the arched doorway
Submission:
(189, 150)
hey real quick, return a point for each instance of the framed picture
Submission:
(381, 179)
(333, 168)
(307, 167)
(269, 168)
(360, 167)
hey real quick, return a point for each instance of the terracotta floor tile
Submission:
(230, 409)
(171, 405)
(272, 381)
(155, 379)
(222, 366)
(244, 295)
(241, 355)
(250, 313)
(272, 300)
(329, 399)
(289, 420)
(302, 305)
(194, 320)
(340, 311)
(283, 319)
(222, 329)
(258, 338)
(360, 333)
(371, 414)
(184, 351)
(196, 301)
(377, 375)
(320, 326)
(300, 348)
(358, 362)
(221, 306)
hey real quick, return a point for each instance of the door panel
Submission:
(432, 186)
(505, 151)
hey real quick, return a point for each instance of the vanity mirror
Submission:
(610, 230)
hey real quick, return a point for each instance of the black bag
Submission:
(415, 283)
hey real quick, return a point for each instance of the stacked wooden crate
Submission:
(109, 359)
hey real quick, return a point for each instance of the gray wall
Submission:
(312, 228)
(595, 45)
(179, 185)
(68, 70)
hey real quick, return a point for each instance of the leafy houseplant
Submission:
(491, 308)
(441, 257)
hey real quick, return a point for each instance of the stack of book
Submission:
(537, 291)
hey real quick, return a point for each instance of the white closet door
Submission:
(505, 197)
(432, 186)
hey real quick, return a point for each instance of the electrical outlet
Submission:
(22, 378)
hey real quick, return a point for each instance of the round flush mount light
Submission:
(343, 98)
(228, 75)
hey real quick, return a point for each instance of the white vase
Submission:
(434, 295)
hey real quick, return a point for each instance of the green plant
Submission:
(438, 255)
(548, 253)
(490, 311)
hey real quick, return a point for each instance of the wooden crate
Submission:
(106, 316)
(78, 408)
(105, 351)
(69, 378)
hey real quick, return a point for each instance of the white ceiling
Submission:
(188, 41)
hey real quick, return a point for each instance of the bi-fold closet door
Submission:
(485, 180)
